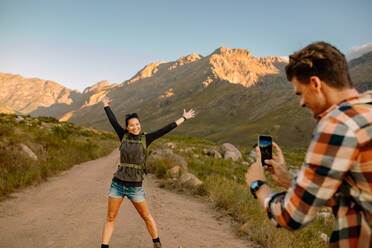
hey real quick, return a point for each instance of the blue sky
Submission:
(78, 43)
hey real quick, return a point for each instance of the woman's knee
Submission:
(111, 217)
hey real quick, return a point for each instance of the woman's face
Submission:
(134, 126)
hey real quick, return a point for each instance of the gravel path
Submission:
(69, 211)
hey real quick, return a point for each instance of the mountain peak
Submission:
(221, 50)
(146, 72)
(227, 51)
(238, 66)
(184, 60)
(97, 86)
(189, 58)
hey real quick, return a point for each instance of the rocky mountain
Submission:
(26, 95)
(44, 97)
(236, 95)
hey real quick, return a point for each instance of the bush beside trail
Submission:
(224, 185)
(32, 149)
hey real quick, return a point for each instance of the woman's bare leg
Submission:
(143, 210)
(112, 212)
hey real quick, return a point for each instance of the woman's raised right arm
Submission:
(120, 131)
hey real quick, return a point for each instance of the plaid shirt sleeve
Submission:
(331, 153)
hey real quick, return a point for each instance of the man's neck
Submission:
(336, 96)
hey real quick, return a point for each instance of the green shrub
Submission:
(47, 119)
(108, 136)
(6, 130)
(160, 167)
(16, 170)
(87, 133)
(61, 131)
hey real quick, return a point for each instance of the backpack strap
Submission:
(137, 166)
(143, 141)
(125, 137)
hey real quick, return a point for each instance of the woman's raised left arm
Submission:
(150, 137)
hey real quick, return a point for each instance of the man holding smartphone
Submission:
(337, 170)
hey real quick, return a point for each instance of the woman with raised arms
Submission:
(127, 180)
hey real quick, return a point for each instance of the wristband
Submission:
(184, 118)
(256, 185)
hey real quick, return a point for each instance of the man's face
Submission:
(311, 95)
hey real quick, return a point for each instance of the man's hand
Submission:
(256, 172)
(106, 101)
(188, 115)
(279, 169)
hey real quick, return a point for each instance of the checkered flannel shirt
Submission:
(337, 172)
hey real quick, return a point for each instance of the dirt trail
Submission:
(69, 211)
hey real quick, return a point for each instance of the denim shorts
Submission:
(136, 194)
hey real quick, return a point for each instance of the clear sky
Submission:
(78, 43)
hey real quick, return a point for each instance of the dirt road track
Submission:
(69, 211)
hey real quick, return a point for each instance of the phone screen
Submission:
(265, 143)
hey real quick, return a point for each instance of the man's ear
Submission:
(315, 83)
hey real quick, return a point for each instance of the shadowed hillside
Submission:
(361, 72)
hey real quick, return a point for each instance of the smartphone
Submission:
(265, 143)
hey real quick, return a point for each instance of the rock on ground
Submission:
(170, 145)
(252, 154)
(214, 153)
(28, 151)
(190, 178)
(174, 171)
(19, 119)
(230, 151)
(324, 237)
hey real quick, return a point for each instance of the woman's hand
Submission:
(185, 116)
(279, 169)
(106, 101)
(188, 115)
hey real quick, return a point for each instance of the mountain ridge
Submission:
(233, 92)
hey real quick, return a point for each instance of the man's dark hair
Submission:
(322, 60)
(130, 116)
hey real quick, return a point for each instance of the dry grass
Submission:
(58, 147)
(224, 186)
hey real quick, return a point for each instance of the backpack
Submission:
(140, 141)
